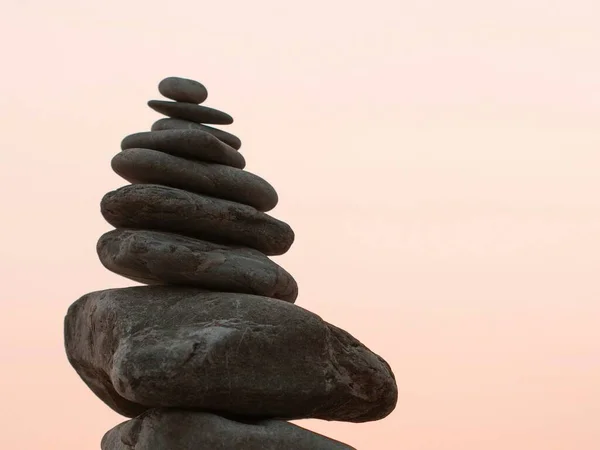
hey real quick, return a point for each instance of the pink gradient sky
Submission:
(438, 161)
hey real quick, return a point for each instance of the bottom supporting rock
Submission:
(170, 429)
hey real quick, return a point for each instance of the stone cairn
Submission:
(211, 353)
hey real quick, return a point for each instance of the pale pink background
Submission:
(438, 161)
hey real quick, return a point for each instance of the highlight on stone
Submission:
(212, 352)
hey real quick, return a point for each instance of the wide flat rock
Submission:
(171, 429)
(191, 111)
(183, 90)
(190, 144)
(153, 257)
(163, 208)
(142, 165)
(233, 354)
(179, 124)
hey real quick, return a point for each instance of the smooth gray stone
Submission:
(141, 165)
(179, 124)
(191, 111)
(170, 429)
(191, 144)
(233, 354)
(153, 257)
(162, 208)
(183, 90)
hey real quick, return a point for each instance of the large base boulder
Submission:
(170, 346)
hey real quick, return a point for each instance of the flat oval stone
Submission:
(183, 90)
(179, 124)
(170, 429)
(191, 144)
(141, 165)
(233, 354)
(191, 111)
(153, 257)
(162, 208)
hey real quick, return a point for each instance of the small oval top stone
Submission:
(183, 90)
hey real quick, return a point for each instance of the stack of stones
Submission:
(211, 353)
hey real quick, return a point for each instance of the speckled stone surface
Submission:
(167, 346)
(168, 429)
(191, 144)
(183, 90)
(191, 112)
(179, 124)
(140, 165)
(153, 257)
(162, 208)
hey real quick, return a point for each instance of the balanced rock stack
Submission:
(212, 353)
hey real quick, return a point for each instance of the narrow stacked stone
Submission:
(212, 353)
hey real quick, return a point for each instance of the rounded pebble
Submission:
(179, 124)
(162, 208)
(141, 165)
(191, 111)
(191, 144)
(183, 90)
(153, 257)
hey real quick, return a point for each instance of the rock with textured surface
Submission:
(179, 124)
(165, 346)
(169, 429)
(141, 165)
(191, 144)
(183, 90)
(191, 112)
(163, 258)
(162, 208)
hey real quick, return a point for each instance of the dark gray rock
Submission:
(169, 429)
(191, 111)
(179, 124)
(183, 90)
(153, 257)
(169, 346)
(162, 208)
(191, 144)
(140, 165)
